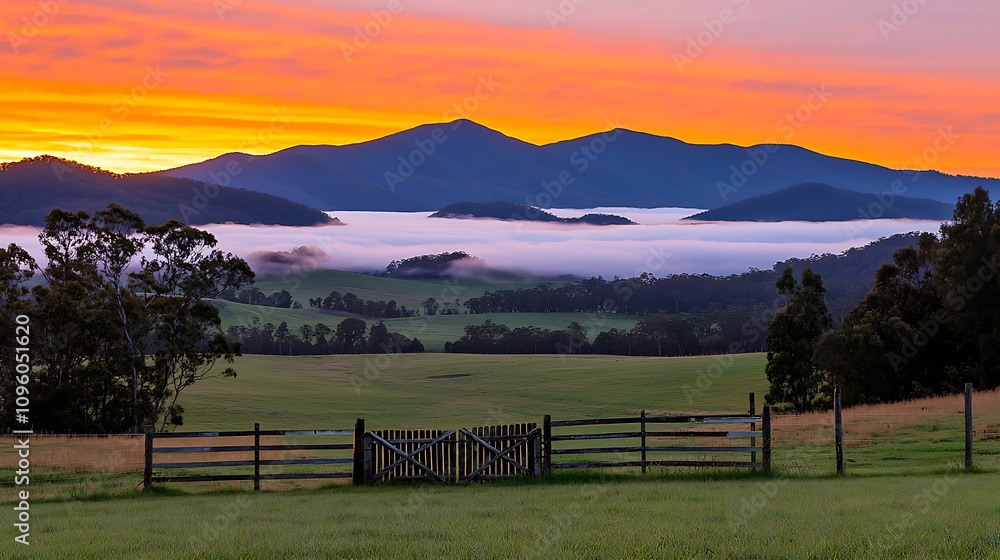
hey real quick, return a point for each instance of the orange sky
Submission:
(136, 85)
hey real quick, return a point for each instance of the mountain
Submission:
(816, 202)
(509, 211)
(30, 188)
(431, 166)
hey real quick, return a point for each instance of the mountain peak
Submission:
(59, 166)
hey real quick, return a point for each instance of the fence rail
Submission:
(705, 455)
(169, 463)
(463, 455)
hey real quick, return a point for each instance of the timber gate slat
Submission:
(452, 456)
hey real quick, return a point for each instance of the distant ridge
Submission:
(508, 211)
(431, 166)
(815, 202)
(31, 188)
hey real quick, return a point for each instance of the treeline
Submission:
(351, 336)
(430, 266)
(120, 325)
(255, 296)
(493, 338)
(350, 303)
(697, 293)
(930, 323)
(733, 330)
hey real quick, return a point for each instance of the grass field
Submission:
(955, 516)
(438, 390)
(433, 331)
(904, 496)
(319, 283)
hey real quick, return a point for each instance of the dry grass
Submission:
(918, 434)
(114, 454)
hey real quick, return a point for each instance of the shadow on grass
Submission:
(558, 478)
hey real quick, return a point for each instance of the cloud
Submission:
(661, 244)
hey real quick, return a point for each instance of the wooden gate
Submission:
(453, 456)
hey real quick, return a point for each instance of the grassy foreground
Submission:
(952, 516)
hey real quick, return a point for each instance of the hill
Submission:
(431, 166)
(816, 202)
(30, 188)
(509, 211)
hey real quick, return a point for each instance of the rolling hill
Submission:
(816, 202)
(509, 211)
(30, 188)
(434, 165)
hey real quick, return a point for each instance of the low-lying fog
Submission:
(662, 243)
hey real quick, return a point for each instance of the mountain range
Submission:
(32, 187)
(510, 211)
(816, 202)
(431, 166)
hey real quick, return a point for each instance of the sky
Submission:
(138, 85)
(661, 244)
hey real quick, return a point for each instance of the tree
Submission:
(430, 306)
(282, 335)
(350, 335)
(968, 280)
(792, 335)
(182, 273)
(577, 337)
(379, 341)
(307, 333)
(16, 269)
(121, 321)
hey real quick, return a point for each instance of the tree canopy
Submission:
(121, 323)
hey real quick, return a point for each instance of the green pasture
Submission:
(433, 330)
(591, 516)
(304, 285)
(441, 390)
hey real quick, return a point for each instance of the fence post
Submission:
(536, 454)
(642, 428)
(358, 474)
(968, 426)
(839, 421)
(256, 456)
(366, 446)
(753, 427)
(547, 449)
(766, 443)
(147, 473)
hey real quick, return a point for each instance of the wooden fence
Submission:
(648, 447)
(227, 463)
(464, 455)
